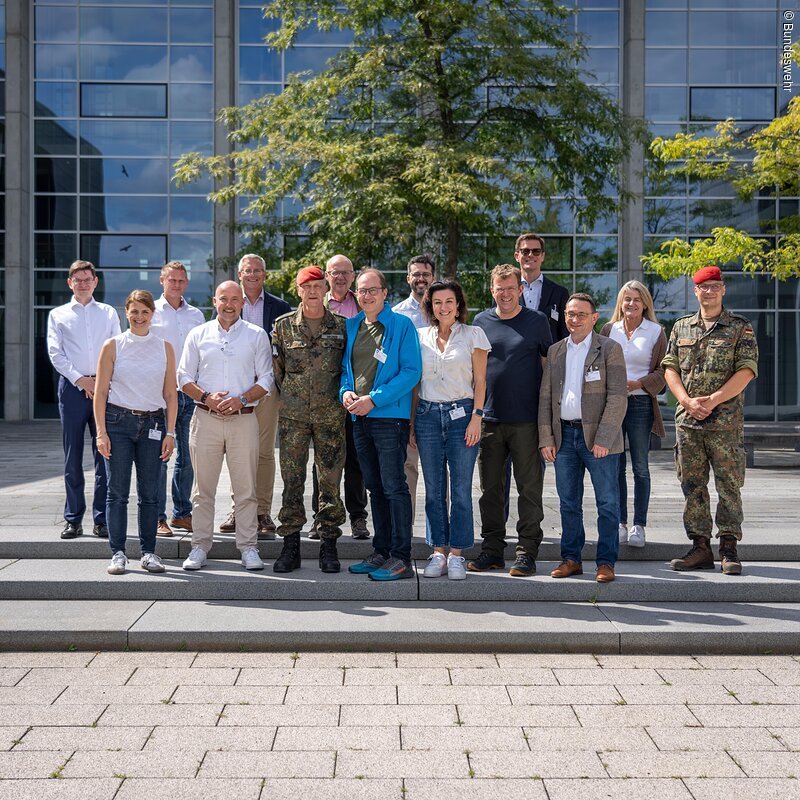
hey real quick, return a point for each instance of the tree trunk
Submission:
(453, 244)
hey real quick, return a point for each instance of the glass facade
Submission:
(120, 90)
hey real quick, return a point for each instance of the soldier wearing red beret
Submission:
(711, 357)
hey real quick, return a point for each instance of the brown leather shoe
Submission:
(163, 529)
(229, 526)
(184, 523)
(699, 557)
(566, 568)
(605, 573)
(266, 527)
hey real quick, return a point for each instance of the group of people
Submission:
(379, 391)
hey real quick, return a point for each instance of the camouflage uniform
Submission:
(307, 369)
(705, 360)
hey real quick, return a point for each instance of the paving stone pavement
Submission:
(405, 726)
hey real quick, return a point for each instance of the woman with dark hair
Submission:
(446, 423)
(135, 381)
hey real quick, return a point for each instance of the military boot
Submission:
(328, 557)
(728, 556)
(289, 559)
(699, 557)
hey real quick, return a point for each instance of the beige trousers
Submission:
(234, 438)
(412, 476)
(267, 416)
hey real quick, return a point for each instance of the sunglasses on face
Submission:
(531, 251)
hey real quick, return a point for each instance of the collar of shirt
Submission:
(259, 299)
(538, 280)
(163, 304)
(73, 302)
(584, 345)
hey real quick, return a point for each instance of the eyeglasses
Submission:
(531, 251)
(250, 272)
(81, 281)
(370, 290)
(417, 275)
(572, 315)
(710, 288)
(338, 273)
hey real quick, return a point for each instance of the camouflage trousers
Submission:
(695, 452)
(329, 455)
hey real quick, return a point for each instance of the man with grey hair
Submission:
(261, 308)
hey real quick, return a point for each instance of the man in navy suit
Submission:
(538, 292)
(261, 308)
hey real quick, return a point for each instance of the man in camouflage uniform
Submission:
(307, 348)
(712, 356)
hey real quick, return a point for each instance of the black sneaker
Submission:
(100, 530)
(289, 559)
(72, 530)
(328, 557)
(485, 562)
(524, 566)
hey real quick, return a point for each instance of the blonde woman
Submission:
(635, 327)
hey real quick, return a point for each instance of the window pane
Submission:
(194, 250)
(788, 366)
(732, 66)
(123, 25)
(191, 214)
(754, 216)
(600, 27)
(253, 27)
(301, 59)
(665, 28)
(604, 63)
(731, 29)
(666, 65)
(125, 251)
(57, 61)
(124, 176)
(189, 137)
(192, 64)
(664, 216)
(192, 100)
(313, 35)
(56, 175)
(192, 25)
(55, 99)
(134, 214)
(602, 287)
(54, 138)
(54, 249)
(259, 64)
(203, 185)
(749, 292)
(55, 212)
(253, 91)
(123, 100)
(101, 62)
(665, 103)
(118, 137)
(596, 254)
(53, 24)
(718, 104)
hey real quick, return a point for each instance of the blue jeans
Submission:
(183, 474)
(637, 425)
(572, 461)
(381, 446)
(131, 444)
(442, 448)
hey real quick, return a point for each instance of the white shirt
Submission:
(172, 324)
(76, 334)
(137, 381)
(447, 376)
(230, 361)
(638, 349)
(254, 312)
(411, 308)
(532, 292)
(572, 393)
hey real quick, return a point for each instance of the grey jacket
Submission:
(603, 402)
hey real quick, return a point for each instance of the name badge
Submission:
(592, 375)
(554, 313)
(458, 413)
(380, 355)
(155, 434)
(685, 342)
(332, 336)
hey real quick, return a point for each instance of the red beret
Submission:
(707, 274)
(309, 274)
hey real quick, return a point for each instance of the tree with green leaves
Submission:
(444, 119)
(773, 170)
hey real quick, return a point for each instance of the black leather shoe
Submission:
(72, 530)
(524, 566)
(289, 559)
(485, 562)
(328, 557)
(100, 529)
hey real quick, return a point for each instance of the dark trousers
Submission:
(520, 442)
(355, 493)
(75, 410)
(381, 445)
(183, 474)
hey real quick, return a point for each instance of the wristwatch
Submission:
(170, 433)
(243, 400)
(478, 412)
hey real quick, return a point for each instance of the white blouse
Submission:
(447, 376)
(139, 367)
(638, 349)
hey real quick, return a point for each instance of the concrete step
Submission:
(410, 626)
(35, 542)
(637, 582)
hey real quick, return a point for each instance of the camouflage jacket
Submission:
(705, 360)
(307, 368)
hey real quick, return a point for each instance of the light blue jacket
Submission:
(397, 375)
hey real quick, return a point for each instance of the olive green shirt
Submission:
(365, 365)
(706, 360)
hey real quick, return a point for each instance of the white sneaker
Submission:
(436, 566)
(623, 533)
(636, 536)
(197, 559)
(455, 568)
(118, 564)
(251, 559)
(152, 563)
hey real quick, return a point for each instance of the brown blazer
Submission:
(604, 403)
(654, 382)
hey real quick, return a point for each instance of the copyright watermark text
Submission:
(786, 50)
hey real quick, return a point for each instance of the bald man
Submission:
(226, 368)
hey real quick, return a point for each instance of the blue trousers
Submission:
(636, 426)
(76, 412)
(183, 474)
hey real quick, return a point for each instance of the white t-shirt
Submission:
(447, 376)
(638, 349)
